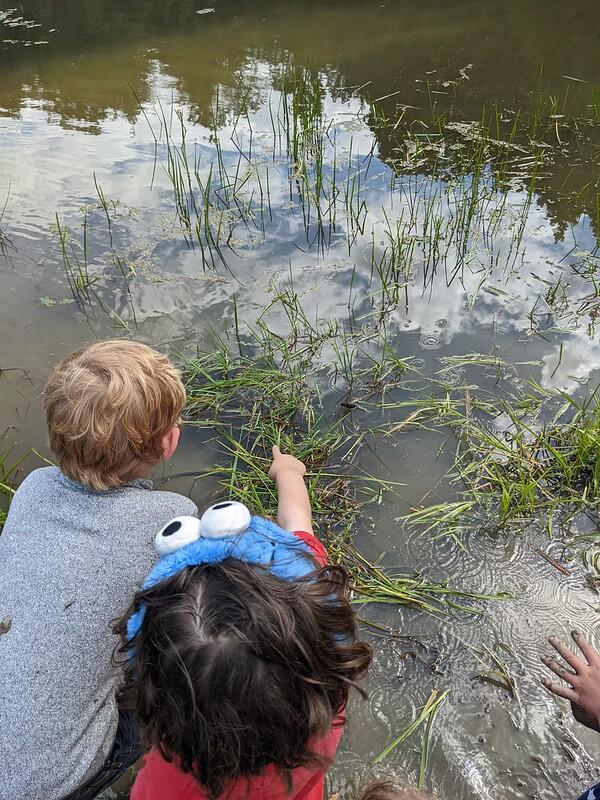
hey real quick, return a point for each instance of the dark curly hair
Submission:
(234, 669)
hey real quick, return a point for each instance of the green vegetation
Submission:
(277, 389)
(319, 392)
(495, 669)
(376, 206)
(4, 240)
(450, 204)
(524, 469)
(427, 714)
(8, 473)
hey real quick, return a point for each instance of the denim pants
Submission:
(591, 794)
(125, 752)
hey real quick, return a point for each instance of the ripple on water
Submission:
(452, 375)
(481, 559)
(429, 341)
(547, 603)
(389, 677)
(485, 564)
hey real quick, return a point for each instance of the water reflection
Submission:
(99, 56)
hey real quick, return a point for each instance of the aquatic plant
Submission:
(261, 388)
(427, 714)
(495, 669)
(4, 240)
(523, 469)
(271, 393)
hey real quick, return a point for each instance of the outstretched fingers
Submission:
(558, 669)
(560, 691)
(568, 655)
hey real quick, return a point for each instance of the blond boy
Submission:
(75, 547)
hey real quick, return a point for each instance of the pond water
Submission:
(423, 174)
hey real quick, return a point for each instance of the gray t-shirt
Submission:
(70, 562)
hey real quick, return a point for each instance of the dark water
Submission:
(88, 92)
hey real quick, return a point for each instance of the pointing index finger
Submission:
(276, 451)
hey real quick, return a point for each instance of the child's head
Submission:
(112, 411)
(234, 668)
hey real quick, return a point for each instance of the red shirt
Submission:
(315, 545)
(160, 780)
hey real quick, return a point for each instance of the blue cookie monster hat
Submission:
(225, 530)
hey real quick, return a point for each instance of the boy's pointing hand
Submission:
(284, 463)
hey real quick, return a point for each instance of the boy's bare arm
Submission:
(293, 509)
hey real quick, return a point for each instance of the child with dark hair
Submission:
(242, 651)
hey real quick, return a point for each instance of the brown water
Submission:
(73, 76)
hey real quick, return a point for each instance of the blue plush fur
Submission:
(263, 543)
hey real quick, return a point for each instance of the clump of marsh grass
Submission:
(85, 286)
(529, 469)
(271, 392)
(262, 388)
(520, 470)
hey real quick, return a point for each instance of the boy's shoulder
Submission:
(170, 503)
(42, 476)
(46, 481)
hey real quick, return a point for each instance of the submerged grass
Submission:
(427, 714)
(4, 240)
(374, 585)
(495, 669)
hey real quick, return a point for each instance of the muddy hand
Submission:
(583, 678)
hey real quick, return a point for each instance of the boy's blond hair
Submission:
(108, 408)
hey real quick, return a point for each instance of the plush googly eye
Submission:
(224, 519)
(176, 534)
